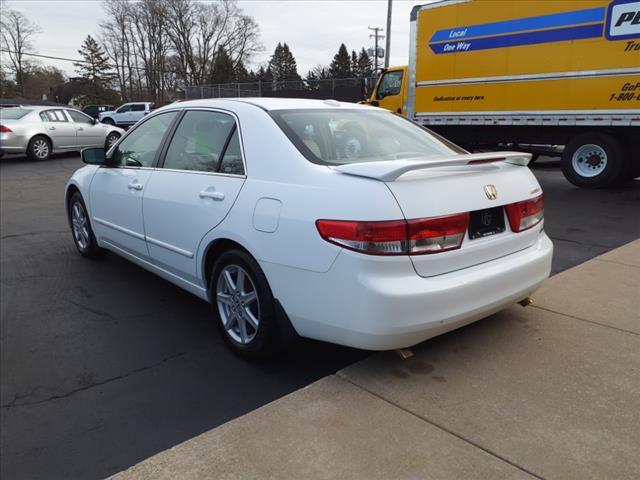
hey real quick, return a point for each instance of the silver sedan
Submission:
(41, 131)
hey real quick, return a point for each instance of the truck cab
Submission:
(390, 91)
(127, 114)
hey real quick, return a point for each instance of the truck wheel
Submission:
(108, 121)
(594, 160)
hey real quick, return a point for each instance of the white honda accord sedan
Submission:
(333, 221)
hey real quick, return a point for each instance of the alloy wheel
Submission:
(80, 225)
(111, 139)
(41, 148)
(237, 301)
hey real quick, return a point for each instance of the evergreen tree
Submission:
(341, 64)
(241, 74)
(223, 71)
(354, 64)
(95, 70)
(365, 65)
(283, 66)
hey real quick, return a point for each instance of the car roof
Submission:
(270, 103)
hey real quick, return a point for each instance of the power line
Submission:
(76, 60)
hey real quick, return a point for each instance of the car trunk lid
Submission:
(481, 184)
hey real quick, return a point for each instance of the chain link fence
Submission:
(343, 89)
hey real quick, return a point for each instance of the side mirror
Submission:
(94, 121)
(94, 156)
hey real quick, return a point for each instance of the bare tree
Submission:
(198, 30)
(161, 45)
(17, 33)
(116, 39)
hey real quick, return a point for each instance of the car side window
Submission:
(54, 116)
(390, 84)
(124, 108)
(139, 147)
(137, 108)
(78, 117)
(232, 160)
(201, 143)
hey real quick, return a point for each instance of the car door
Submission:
(88, 132)
(193, 189)
(59, 128)
(389, 93)
(116, 190)
(122, 114)
(138, 111)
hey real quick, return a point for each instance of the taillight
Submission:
(4, 129)
(526, 214)
(397, 237)
(438, 234)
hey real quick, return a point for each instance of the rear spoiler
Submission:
(390, 170)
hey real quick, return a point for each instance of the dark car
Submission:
(95, 110)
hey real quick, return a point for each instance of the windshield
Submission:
(337, 137)
(13, 113)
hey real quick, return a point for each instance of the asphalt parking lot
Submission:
(104, 364)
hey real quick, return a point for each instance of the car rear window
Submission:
(342, 136)
(13, 113)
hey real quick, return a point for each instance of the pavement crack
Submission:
(14, 404)
(441, 427)
(95, 311)
(30, 234)
(580, 243)
(585, 320)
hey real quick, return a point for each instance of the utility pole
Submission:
(377, 36)
(387, 50)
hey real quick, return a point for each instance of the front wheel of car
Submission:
(39, 149)
(111, 139)
(243, 305)
(108, 121)
(83, 236)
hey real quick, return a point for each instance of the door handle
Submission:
(219, 196)
(135, 186)
(52, 128)
(80, 129)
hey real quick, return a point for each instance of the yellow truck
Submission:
(527, 74)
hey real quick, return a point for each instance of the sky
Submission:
(313, 29)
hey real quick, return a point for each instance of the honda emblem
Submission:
(491, 192)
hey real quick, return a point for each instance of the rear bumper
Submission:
(12, 149)
(12, 143)
(378, 303)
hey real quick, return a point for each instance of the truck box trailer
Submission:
(529, 74)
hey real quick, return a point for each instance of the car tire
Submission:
(594, 160)
(39, 149)
(108, 121)
(111, 139)
(81, 231)
(244, 310)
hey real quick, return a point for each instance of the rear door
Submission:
(59, 128)
(193, 190)
(116, 191)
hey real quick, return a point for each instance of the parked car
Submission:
(127, 114)
(95, 110)
(338, 222)
(41, 131)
